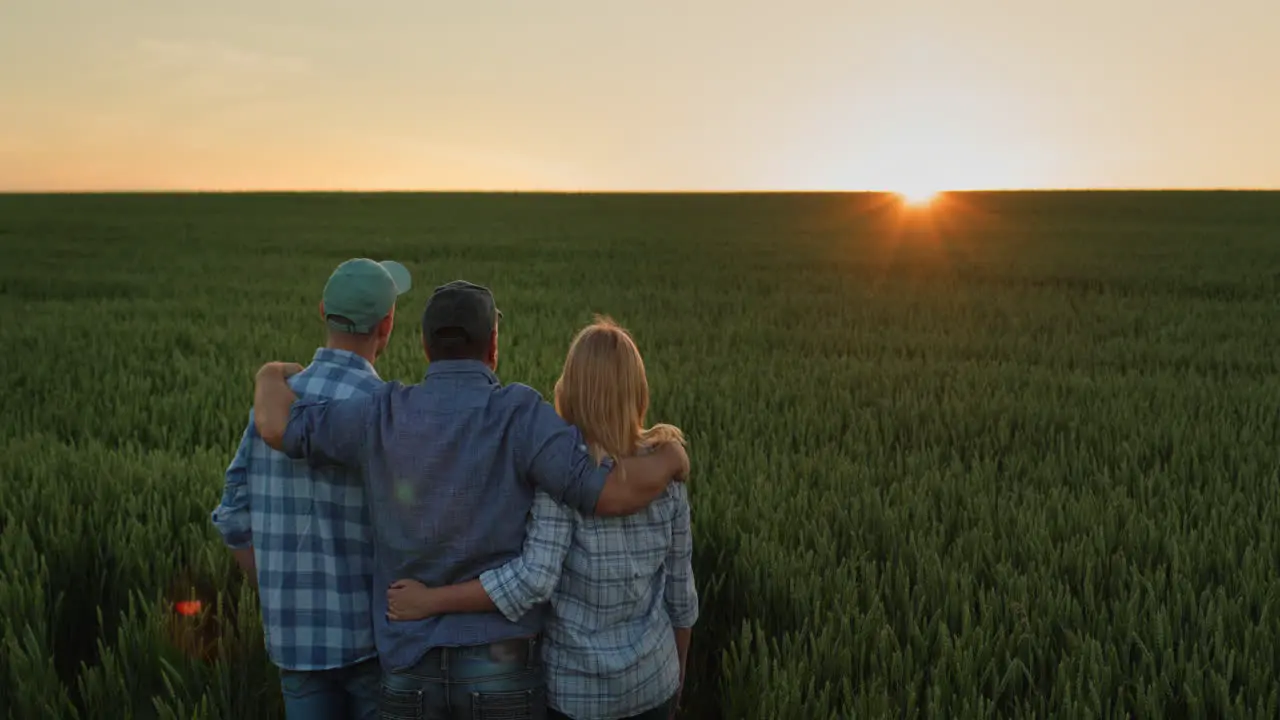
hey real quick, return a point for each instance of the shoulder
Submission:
(527, 405)
(367, 384)
(378, 388)
(519, 394)
(333, 382)
(298, 381)
(378, 397)
(357, 386)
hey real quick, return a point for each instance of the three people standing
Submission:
(450, 470)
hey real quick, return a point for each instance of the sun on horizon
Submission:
(917, 196)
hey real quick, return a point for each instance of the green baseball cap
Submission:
(361, 292)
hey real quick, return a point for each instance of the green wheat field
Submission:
(1014, 456)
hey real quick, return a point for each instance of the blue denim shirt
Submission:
(450, 467)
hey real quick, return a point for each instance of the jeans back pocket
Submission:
(528, 704)
(397, 704)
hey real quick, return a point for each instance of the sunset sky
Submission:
(655, 95)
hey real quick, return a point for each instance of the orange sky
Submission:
(577, 95)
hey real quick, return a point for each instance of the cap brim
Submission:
(400, 274)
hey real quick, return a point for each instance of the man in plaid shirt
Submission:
(303, 534)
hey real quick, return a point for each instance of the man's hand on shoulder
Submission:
(278, 371)
(675, 455)
(646, 477)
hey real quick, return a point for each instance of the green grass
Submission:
(1014, 458)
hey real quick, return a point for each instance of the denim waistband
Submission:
(514, 651)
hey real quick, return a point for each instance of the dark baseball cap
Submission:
(459, 313)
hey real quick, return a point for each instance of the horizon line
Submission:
(532, 191)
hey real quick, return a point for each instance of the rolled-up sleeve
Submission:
(681, 597)
(231, 516)
(329, 432)
(558, 461)
(529, 580)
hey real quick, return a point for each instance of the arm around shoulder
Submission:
(272, 401)
(322, 432)
(556, 458)
(637, 481)
(512, 589)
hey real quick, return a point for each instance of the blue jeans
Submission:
(348, 693)
(498, 681)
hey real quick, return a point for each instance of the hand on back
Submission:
(279, 370)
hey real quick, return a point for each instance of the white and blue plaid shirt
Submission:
(618, 586)
(310, 532)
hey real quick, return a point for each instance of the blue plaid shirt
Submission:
(617, 586)
(450, 467)
(310, 532)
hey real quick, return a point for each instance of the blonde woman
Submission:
(621, 590)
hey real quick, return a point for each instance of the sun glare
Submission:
(917, 197)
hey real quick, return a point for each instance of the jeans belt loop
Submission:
(444, 659)
(529, 651)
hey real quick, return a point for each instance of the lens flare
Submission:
(189, 608)
(919, 197)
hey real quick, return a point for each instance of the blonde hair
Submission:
(604, 391)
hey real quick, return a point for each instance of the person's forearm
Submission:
(683, 637)
(464, 597)
(530, 579)
(635, 482)
(272, 400)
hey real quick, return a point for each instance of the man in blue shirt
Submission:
(303, 535)
(450, 466)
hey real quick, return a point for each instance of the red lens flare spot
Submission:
(187, 607)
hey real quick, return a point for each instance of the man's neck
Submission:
(364, 352)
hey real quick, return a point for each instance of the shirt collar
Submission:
(461, 367)
(343, 359)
